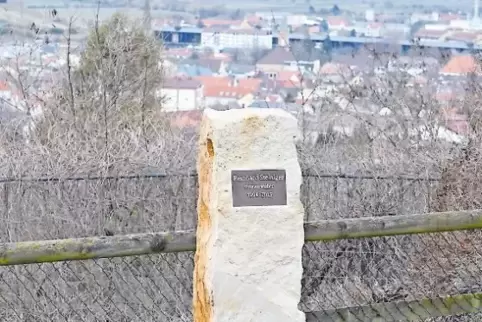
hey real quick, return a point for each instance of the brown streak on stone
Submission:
(253, 124)
(202, 298)
(210, 148)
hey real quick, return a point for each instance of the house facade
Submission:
(236, 38)
(182, 94)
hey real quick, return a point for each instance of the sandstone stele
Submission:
(248, 259)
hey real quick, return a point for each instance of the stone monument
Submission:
(250, 218)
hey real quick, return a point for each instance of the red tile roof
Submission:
(221, 22)
(288, 79)
(449, 16)
(461, 65)
(227, 91)
(286, 84)
(253, 19)
(337, 21)
(429, 34)
(214, 84)
(253, 83)
(212, 80)
(463, 36)
(288, 75)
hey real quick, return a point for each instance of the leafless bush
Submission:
(459, 189)
(396, 131)
(100, 119)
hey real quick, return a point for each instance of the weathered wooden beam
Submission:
(416, 310)
(149, 243)
(393, 225)
(95, 247)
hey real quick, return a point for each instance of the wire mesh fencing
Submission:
(327, 196)
(340, 274)
(402, 278)
(79, 207)
(138, 288)
(52, 208)
(395, 278)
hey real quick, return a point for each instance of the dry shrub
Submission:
(403, 142)
(110, 163)
(103, 119)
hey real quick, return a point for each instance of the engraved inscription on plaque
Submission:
(258, 188)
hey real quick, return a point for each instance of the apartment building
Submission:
(236, 38)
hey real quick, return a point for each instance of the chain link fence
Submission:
(51, 208)
(80, 207)
(351, 196)
(337, 274)
(138, 288)
(372, 272)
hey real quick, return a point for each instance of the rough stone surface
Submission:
(248, 259)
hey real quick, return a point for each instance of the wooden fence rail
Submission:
(167, 242)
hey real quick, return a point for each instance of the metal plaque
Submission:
(253, 188)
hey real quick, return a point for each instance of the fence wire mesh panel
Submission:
(338, 274)
(390, 272)
(342, 196)
(79, 207)
(138, 288)
(39, 210)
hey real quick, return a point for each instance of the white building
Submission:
(370, 15)
(242, 39)
(268, 15)
(437, 27)
(417, 16)
(461, 24)
(296, 20)
(180, 94)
